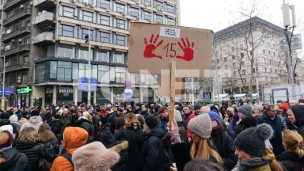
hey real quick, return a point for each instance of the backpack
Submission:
(68, 156)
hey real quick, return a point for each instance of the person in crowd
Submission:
(46, 117)
(14, 122)
(243, 112)
(86, 122)
(283, 108)
(133, 134)
(256, 112)
(228, 116)
(24, 118)
(94, 122)
(56, 124)
(28, 142)
(73, 138)
(163, 118)
(103, 110)
(10, 157)
(197, 112)
(251, 150)
(17, 113)
(293, 102)
(4, 115)
(144, 111)
(74, 116)
(222, 141)
(112, 119)
(35, 121)
(155, 110)
(102, 122)
(186, 113)
(222, 110)
(152, 156)
(104, 158)
(270, 117)
(65, 119)
(120, 122)
(293, 158)
(296, 118)
(257, 103)
(46, 136)
(137, 109)
(199, 164)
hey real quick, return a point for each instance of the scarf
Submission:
(252, 164)
(216, 130)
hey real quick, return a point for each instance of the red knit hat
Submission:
(283, 106)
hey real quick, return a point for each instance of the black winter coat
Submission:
(34, 153)
(152, 153)
(277, 126)
(14, 160)
(181, 155)
(46, 117)
(144, 114)
(291, 161)
(56, 126)
(136, 140)
(85, 124)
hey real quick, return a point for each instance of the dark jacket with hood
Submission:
(224, 146)
(152, 153)
(34, 153)
(88, 126)
(135, 138)
(14, 161)
(298, 111)
(291, 161)
(56, 126)
(46, 117)
(144, 114)
(185, 118)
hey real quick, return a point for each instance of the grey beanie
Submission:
(201, 125)
(245, 109)
(252, 140)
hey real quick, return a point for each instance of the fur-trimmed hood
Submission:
(120, 146)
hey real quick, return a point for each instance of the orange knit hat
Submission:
(283, 106)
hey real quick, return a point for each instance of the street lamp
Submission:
(3, 79)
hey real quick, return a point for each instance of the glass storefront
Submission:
(23, 96)
(49, 95)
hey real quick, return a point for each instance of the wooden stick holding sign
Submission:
(172, 91)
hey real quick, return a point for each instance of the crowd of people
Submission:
(139, 137)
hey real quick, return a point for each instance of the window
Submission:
(105, 37)
(134, 12)
(27, 41)
(273, 53)
(268, 52)
(118, 58)
(170, 21)
(265, 69)
(83, 70)
(103, 56)
(104, 20)
(270, 69)
(27, 23)
(84, 54)
(120, 74)
(16, 26)
(159, 5)
(120, 24)
(121, 40)
(83, 32)
(64, 71)
(241, 38)
(170, 9)
(147, 15)
(68, 11)
(66, 52)
(24, 78)
(103, 74)
(14, 61)
(87, 16)
(241, 46)
(253, 70)
(25, 59)
(8, 31)
(159, 18)
(53, 70)
(251, 52)
(264, 51)
(147, 2)
(243, 72)
(6, 64)
(233, 57)
(242, 55)
(225, 59)
(65, 30)
(120, 8)
(7, 47)
(105, 4)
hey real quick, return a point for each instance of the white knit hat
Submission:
(7, 128)
(201, 126)
(13, 119)
(177, 116)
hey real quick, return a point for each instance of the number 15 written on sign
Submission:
(172, 50)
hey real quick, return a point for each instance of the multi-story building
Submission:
(45, 50)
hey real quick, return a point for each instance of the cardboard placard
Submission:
(153, 47)
(164, 86)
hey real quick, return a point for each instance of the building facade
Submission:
(45, 50)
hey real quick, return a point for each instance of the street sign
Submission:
(23, 90)
(1, 91)
(7, 91)
(128, 85)
(128, 95)
(93, 84)
(83, 83)
(296, 43)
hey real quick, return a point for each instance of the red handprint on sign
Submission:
(187, 49)
(149, 51)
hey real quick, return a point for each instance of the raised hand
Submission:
(187, 49)
(151, 46)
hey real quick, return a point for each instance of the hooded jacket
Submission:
(291, 161)
(144, 114)
(34, 121)
(74, 138)
(14, 160)
(298, 111)
(152, 157)
(56, 126)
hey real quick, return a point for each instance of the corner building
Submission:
(44, 45)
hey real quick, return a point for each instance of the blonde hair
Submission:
(294, 142)
(28, 135)
(130, 119)
(203, 150)
(274, 164)
(88, 116)
(45, 133)
(43, 111)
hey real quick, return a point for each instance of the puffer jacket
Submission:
(121, 149)
(74, 138)
(56, 126)
(152, 157)
(14, 160)
(34, 121)
(144, 114)
(85, 124)
(34, 153)
(291, 161)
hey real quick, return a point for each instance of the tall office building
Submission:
(43, 42)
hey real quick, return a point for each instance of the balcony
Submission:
(16, 33)
(16, 67)
(17, 50)
(46, 37)
(44, 19)
(45, 4)
(10, 4)
(19, 15)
